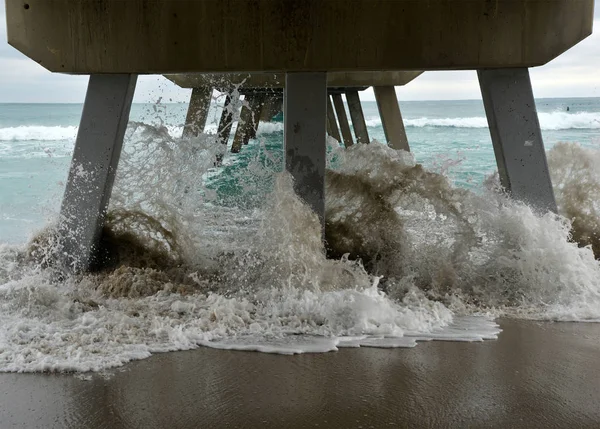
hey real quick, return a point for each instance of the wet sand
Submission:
(542, 375)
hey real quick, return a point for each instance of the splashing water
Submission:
(576, 180)
(408, 258)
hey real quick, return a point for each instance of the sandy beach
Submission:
(535, 375)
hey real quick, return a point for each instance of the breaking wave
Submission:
(189, 262)
(548, 121)
(38, 132)
(69, 133)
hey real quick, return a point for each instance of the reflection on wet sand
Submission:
(535, 375)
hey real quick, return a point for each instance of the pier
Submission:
(501, 39)
(304, 57)
(263, 94)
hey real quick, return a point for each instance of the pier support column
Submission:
(227, 117)
(358, 118)
(225, 125)
(516, 136)
(305, 110)
(226, 121)
(332, 125)
(257, 112)
(271, 106)
(197, 113)
(391, 118)
(92, 173)
(340, 110)
(248, 123)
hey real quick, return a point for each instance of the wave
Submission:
(410, 257)
(69, 133)
(548, 121)
(38, 132)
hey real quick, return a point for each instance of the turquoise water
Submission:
(239, 267)
(36, 142)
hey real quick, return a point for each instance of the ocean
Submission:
(421, 246)
(36, 142)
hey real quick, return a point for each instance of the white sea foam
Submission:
(38, 133)
(548, 121)
(259, 279)
(60, 133)
(270, 127)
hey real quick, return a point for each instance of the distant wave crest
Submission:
(38, 132)
(548, 121)
(69, 133)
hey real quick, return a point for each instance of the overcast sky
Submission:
(573, 74)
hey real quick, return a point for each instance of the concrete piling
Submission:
(516, 136)
(391, 118)
(340, 111)
(332, 125)
(197, 113)
(357, 116)
(272, 106)
(312, 57)
(256, 105)
(93, 168)
(226, 121)
(244, 126)
(305, 110)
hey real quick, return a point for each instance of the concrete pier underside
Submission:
(225, 81)
(165, 36)
(536, 375)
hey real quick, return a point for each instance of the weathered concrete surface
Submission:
(248, 123)
(536, 375)
(391, 117)
(277, 80)
(332, 125)
(195, 120)
(304, 136)
(340, 111)
(273, 105)
(516, 136)
(227, 117)
(164, 36)
(358, 117)
(93, 167)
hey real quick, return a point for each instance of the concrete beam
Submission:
(391, 118)
(340, 111)
(305, 110)
(358, 118)
(341, 80)
(332, 125)
(516, 136)
(165, 36)
(195, 120)
(95, 159)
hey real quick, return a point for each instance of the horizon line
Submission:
(186, 102)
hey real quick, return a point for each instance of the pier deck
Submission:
(303, 36)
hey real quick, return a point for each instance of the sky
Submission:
(573, 74)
